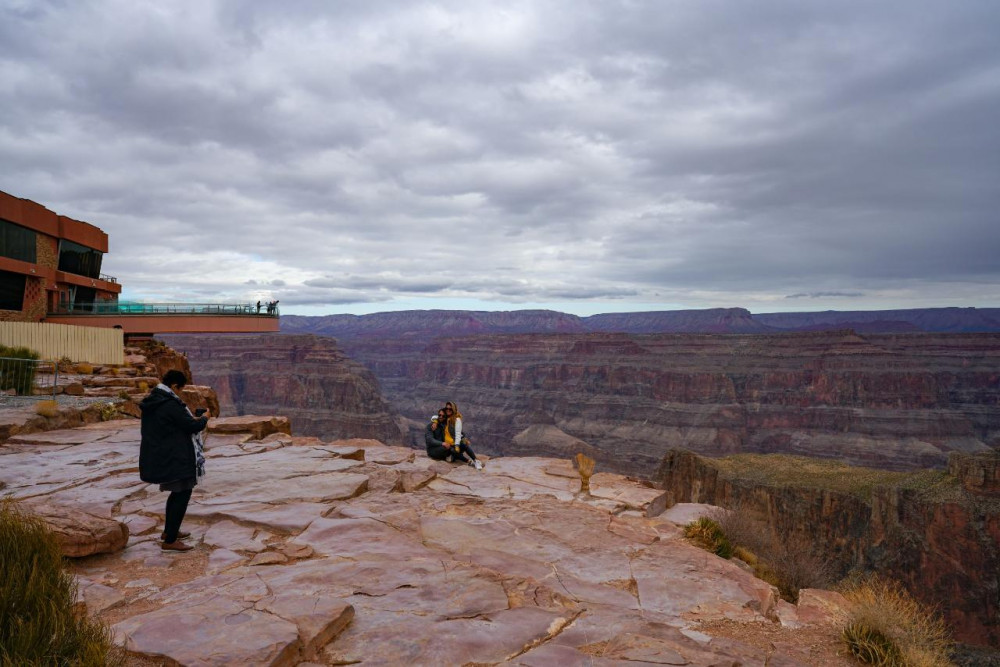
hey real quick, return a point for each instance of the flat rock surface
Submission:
(303, 555)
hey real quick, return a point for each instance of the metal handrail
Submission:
(136, 308)
(108, 279)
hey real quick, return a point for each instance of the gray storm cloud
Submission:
(768, 154)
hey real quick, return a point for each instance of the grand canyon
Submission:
(889, 394)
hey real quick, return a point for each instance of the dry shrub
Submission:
(84, 368)
(111, 370)
(143, 386)
(38, 625)
(47, 409)
(706, 534)
(887, 627)
(788, 562)
(109, 412)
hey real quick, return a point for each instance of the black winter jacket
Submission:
(166, 453)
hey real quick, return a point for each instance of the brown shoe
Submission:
(181, 534)
(176, 545)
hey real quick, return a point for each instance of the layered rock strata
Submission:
(930, 530)
(306, 378)
(891, 401)
(356, 552)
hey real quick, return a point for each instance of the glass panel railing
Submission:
(136, 308)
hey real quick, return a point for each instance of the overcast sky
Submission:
(582, 156)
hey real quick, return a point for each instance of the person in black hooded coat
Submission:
(168, 454)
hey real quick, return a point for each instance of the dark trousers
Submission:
(177, 504)
(465, 449)
(439, 453)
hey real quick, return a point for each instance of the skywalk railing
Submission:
(135, 308)
(109, 279)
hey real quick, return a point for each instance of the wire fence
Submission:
(28, 378)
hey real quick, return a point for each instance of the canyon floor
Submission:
(353, 552)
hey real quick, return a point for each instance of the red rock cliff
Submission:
(304, 377)
(923, 529)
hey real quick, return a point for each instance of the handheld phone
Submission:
(199, 412)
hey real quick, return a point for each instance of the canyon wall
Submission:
(306, 378)
(428, 324)
(936, 532)
(897, 402)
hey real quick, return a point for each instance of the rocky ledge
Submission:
(355, 552)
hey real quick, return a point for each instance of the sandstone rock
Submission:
(632, 495)
(268, 558)
(221, 560)
(191, 636)
(197, 396)
(259, 427)
(411, 480)
(820, 607)
(684, 513)
(508, 565)
(74, 389)
(96, 597)
(79, 533)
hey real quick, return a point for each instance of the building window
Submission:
(11, 291)
(78, 259)
(17, 242)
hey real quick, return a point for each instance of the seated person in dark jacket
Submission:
(171, 452)
(434, 439)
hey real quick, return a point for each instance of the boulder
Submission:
(260, 427)
(80, 533)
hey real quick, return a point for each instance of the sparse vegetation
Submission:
(47, 409)
(84, 368)
(18, 374)
(707, 534)
(124, 395)
(888, 628)
(109, 411)
(784, 471)
(143, 386)
(38, 625)
(789, 563)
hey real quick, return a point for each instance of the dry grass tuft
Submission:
(143, 386)
(888, 628)
(706, 534)
(47, 409)
(84, 368)
(38, 625)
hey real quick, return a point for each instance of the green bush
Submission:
(17, 370)
(38, 625)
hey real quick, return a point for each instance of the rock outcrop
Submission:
(306, 378)
(924, 529)
(898, 402)
(353, 551)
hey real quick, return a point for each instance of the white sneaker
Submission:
(479, 466)
(450, 459)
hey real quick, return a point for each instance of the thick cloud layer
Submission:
(589, 156)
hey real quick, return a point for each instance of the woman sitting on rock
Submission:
(453, 437)
(434, 439)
